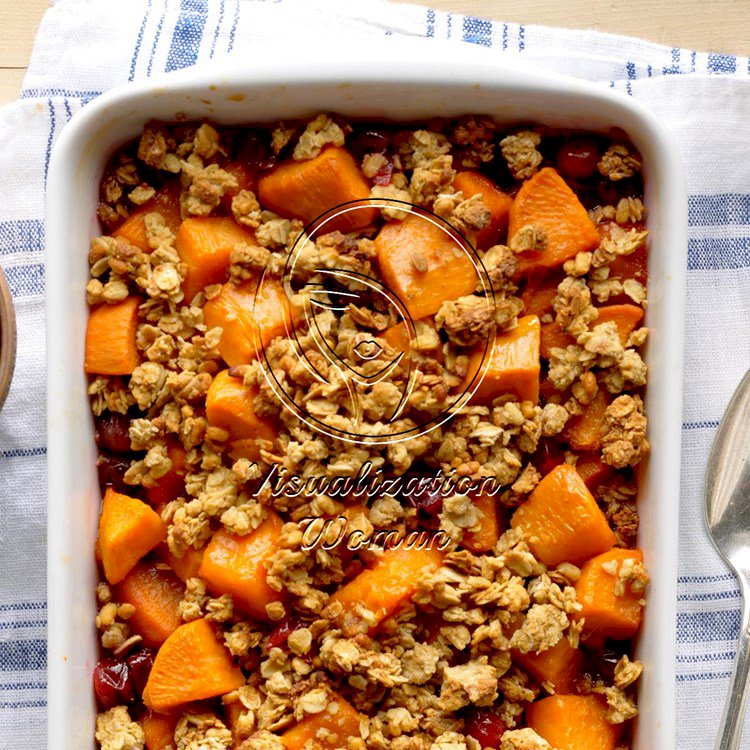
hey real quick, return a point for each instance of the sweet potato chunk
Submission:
(229, 405)
(546, 202)
(609, 610)
(387, 586)
(562, 521)
(186, 566)
(172, 484)
(560, 665)
(158, 731)
(166, 202)
(472, 183)
(205, 246)
(423, 264)
(191, 665)
(307, 189)
(625, 317)
(512, 366)
(236, 565)
(110, 338)
(593, 470)
(490, 528)
(539, 294)
(573, 722)
(248, 319)
(338, 722)
(553, 336)
(584, 432)
(155, 593)
(128, 529)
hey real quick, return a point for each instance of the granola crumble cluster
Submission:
(221, 625)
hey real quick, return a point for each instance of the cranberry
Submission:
(600, 663)
(139, 664)
(384, 174)
(112, 472)
(370, 142)
(424, 496)
(548, 455)
(278, 636)
(256, 153)
(112, 432)
(577, 158)
(484, 726)
(113, 683)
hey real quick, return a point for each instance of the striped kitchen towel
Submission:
(87, 46)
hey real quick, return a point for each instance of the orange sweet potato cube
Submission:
(471, 183)
(584, 432)
(190, 666)
(490, 527)
(205, 246)
(545, 201)
(229, 405)
(387, 586)
(166, 202)
(248, 320)
(158, 731)
(306, 189)
(128, 529)
(330, 729)
(559, 666)
(562, 521)
(573, 722)
(111, 338)
(606, 609)
(237, 565)
(423, 264)
(625, 317)
(511, 365)
(156, 594)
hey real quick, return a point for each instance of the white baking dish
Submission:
(406, 85)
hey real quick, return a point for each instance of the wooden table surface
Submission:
(709, 25)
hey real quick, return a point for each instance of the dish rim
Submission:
(73, 154)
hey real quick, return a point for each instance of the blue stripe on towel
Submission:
(22, 236)
(188, 32)
(477, 31)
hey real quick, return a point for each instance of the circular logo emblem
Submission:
(355, 361)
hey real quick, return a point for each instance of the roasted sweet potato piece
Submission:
(553, 336)
(172, 484)
(205, 246)
(387, 586)
(633, 266)
(186, 566)
(229, 405)
(155, 593)
(158, 731)
(593, 470)
(422, 263)
(472, 183)
(128, 529)
(110, 338)
(625, 317)
(490, 526)
(236, 565)
(307, 189)
(562, 521)
(546, 202)
(539, 294)
(248, 319)
(191, 665)
(573, 722)
(166, 202)
(607, 611)
(512, 365)
(559, 666)
(338, 723)
(398, 337)
(584, 432)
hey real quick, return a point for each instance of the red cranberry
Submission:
(424, 496)
(370, 142)
(111, 471)
(113, 683)
(484, 726)
(139, 664)
(577, 158)
(256, 153)
(278, 636)
(548, 455)
(384, 174)
(112, 432)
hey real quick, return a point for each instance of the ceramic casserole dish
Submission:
(405, 86)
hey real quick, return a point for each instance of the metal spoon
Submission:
(728, 522)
